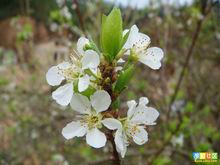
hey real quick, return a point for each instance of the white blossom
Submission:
(133, 126)
(139, 44)
(72, 72)
(65, 12)
(177, 140)
(90, 119)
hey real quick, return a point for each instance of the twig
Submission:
(81, 22)
(205, 11)
(108, 73)
(116, 159)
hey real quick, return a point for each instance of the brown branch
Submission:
(115, 155)
(79, 15)
(108, 78)
(205, 11)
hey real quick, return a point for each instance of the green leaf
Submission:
(162, 160)
(124, 79)
(116, 104)
(111, 35)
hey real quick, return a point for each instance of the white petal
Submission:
(152, 58)
(95, 138)
(90, 59)
(53, 77)
(74, 129)
(82, 41)
(121, 143)
(143, 100)
(141, 136)
(112, 124)
(151, 115)
(131, 105)
(125, 32)
(145, 115)
(64, 65)
(94, 70)
(120, 60)
(63, 94)
(83, 83)
(132, 38)
(80, 104)
(100, 100)
(142, 40)
(118, 68)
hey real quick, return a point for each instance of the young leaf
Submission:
(111, 35)
(124, 79)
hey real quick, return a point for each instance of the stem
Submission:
(108, 72)
(115, 155)
(185, 66)
(205, 10)
(78, 12)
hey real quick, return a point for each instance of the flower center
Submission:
(141, 45)
(130, 129)
(70, 73)
(92, 120)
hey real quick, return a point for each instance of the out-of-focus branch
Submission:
(205, 10)
(79, 15)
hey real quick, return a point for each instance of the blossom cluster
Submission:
(81, 80)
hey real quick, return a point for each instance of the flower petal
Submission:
(83, 83)
(64, 65)
(118, 68)
(53, 77)
(131, 105)
(121, 143)
(143, 101)
(125, 32)
(80, 104)
(151, 114)
(100, 100)
(136, 40)
(90, 59)
(82, 41)
(142, 40)
(63, 94)
(120, 60)
(141, 136)
(95, 138)
(139, 116)
(74, 129)
(112, 124)
(145, 115)
(132, 38)
(152, 58)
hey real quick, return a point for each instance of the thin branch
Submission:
(116, 159)
(79, 15)
(205, 11)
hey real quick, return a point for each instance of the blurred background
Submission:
(36, 34)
